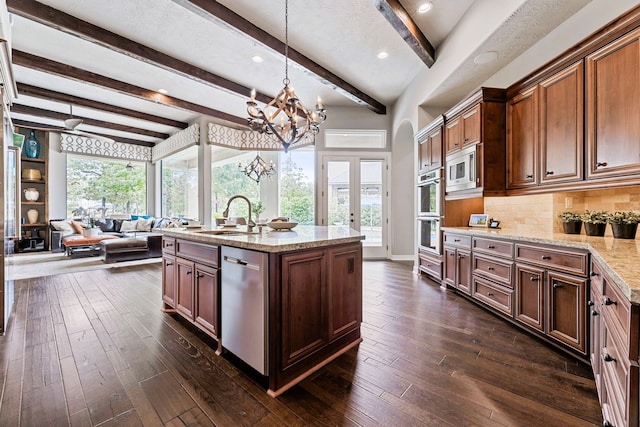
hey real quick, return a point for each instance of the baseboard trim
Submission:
(402, 257)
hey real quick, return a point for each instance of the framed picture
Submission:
(478, 220)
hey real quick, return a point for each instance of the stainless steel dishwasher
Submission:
(244, 306)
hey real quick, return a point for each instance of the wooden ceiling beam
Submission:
(69, 24)
(34, 62)
(216, 12)
(38, 92)
(40, 112)
(27, 124)
(400, 20)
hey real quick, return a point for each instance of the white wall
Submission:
(57, 179)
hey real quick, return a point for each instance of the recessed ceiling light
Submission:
(486, 57)
(425, 7)
(383, 55)
(163, 91)
(257, 58)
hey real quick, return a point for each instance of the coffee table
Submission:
(77, 246)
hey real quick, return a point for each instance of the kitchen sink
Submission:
(225, 232)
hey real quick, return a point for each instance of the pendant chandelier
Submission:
(258, 169)
(295, 122)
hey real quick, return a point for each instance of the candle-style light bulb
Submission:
(319, 105)
(253, 94)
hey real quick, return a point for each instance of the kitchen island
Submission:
(285, 303)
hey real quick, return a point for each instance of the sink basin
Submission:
(225, 232)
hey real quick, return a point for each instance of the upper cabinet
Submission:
(430, 146)
(545, 131)
(463, 130)
(613, 109)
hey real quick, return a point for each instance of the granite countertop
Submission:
(620, 258)
(301, 237)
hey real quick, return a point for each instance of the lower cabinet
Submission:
(457, 261)
(430, 264)
(191, 283)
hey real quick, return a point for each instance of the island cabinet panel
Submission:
(207, 290)
(169, 282)
(305, 317)
(184, 290)
(613, 108)
(345, 290)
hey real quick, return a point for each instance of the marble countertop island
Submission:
(301, 237)
(620, 258)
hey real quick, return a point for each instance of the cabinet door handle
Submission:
(593, 273)
(490, 268)
(456, 240)
(608, 358)
(609, 301)
(594, 313)
(549, 172)
(168, 264)
(529, 176)
(601, 164)
(607, 424)
(460, 256)
(489, 294)
(169, 244)
(590, 303)
(189, 272)
(533, 278)
(556, 286)
(199, 275)
(545, 257)
(491, 247)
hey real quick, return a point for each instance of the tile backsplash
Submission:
(540, 211)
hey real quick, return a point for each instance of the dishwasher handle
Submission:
(242, 263)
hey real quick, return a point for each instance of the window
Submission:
(180, 184)
(227, 181)
(100, 187)
(355, 139)
(297, 185)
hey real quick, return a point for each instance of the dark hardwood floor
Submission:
(93, 348)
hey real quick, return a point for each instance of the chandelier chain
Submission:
(286, 42)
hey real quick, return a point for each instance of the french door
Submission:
(354, 194)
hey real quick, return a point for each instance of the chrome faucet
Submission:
(250, 223)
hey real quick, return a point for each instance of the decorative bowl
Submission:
(33, 174)
(282, 225)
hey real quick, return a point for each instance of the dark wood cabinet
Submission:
(613, 108)
(561, 115)
(530, 297)
(457, 259)
(184, 289)
(169, 281)
(430, 264)
(345, 290)
(430, 146)
(464, 130)
(522, 139)
(567, 300)
(207, 290)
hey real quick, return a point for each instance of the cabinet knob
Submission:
(456, 240)
(549, 172)
(545, 257)
(609, 301)
(529, 176)
(490, 268)
(169, 244)
(460, 256)
(491, 247)
(189, 272)
(533, 278)
(169, 263)
(199, 275)
(607, 424)
(594, 313)
(489, 294)
(601, 164)
(556, 286)
(593, 273)
(608, 358)
(590, 303)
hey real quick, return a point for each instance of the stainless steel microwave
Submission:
(462, 167)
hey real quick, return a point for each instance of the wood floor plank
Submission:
(167, 397)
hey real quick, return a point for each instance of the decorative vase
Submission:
(32, 216)
(572, 227)
(624, 231)
(90, 232)
(32, 146)
(594, 229)
(31, 194)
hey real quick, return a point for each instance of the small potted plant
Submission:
(595, 222)
(571, 222)
(257, 208)
(624, 224)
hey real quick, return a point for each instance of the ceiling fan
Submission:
(70, 125)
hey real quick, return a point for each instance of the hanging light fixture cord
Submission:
(296, 122)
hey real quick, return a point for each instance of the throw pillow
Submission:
(62, 225)
(143, 224)
(77, 226)
(128, 225)
(105, 225)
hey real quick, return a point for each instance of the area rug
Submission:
(24, 266)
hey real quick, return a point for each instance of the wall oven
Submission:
(429, 236)
(430, 193)
(462, 167)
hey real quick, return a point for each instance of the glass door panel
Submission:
(371, 202)
(339, 193)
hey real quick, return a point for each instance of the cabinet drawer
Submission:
(597, 278)
(616, 312)
(431, 265)
(561, 260)
(493, 247)
(169, 245)
(457, 240)
(207, 254)
(496, 270)
(493, 295)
